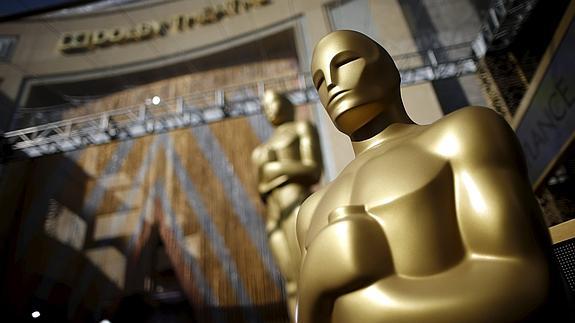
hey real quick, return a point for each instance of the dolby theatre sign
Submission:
(82, 41)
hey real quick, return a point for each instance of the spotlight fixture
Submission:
(35, 314)
(156, 100)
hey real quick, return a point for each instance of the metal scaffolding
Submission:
(206, 107)
(148, 118)
(503, 21)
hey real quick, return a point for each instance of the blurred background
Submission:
(126, 129)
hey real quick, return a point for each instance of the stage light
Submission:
(35, 314)
(156, 100)
(105, 321)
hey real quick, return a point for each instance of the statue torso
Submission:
(284, 143)
(409, 186)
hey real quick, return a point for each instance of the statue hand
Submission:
(289, 168)
(353, 244)
(268, 186)
(351, 252)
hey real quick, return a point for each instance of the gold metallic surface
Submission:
(288, 164)
(433, 223)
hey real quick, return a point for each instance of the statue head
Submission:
(277, 108)
(356, 79)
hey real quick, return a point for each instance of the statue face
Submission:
(350, 72)
(272, 110)
(277, 108)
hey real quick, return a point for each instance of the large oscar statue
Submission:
(429, 223)
(288, 164)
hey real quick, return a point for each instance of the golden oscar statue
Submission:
(288, 164)
(429, 223)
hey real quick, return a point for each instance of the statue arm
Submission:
(327, 272)
(498, 216)
(472, 291)
(261, 156)
(497, 209)
(305, 216)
